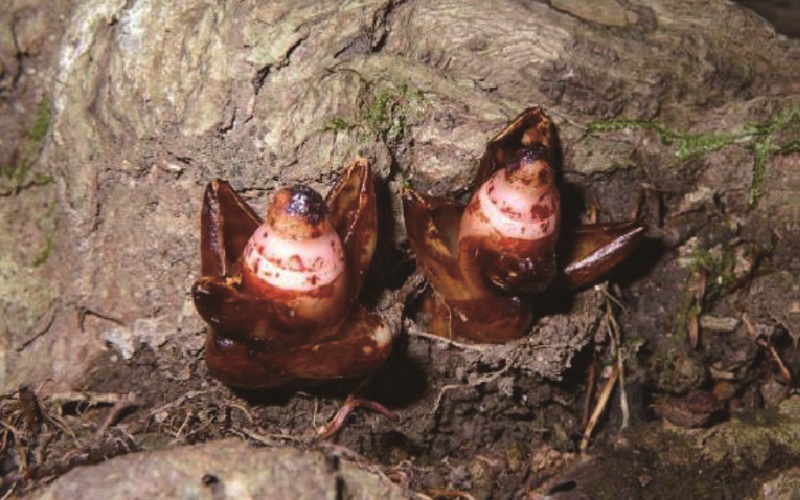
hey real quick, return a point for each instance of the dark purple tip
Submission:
(528, 155)
(306, 203)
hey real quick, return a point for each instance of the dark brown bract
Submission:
(280, 296)
(486, 259)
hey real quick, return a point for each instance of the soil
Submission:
(676, 378)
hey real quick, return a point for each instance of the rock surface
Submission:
(223, 469)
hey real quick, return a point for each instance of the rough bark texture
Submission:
(143, 116)
(146, 101)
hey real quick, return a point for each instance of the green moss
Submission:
(387, 116)
(48, 223)
(336, 124)
(695, 145)
(41, 125)
(17, 176)
(718, 266)
(21, 174)
(393, 111)
(764, 138)
(763, 154)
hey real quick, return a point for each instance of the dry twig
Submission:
(602, 402)
(617, 374)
